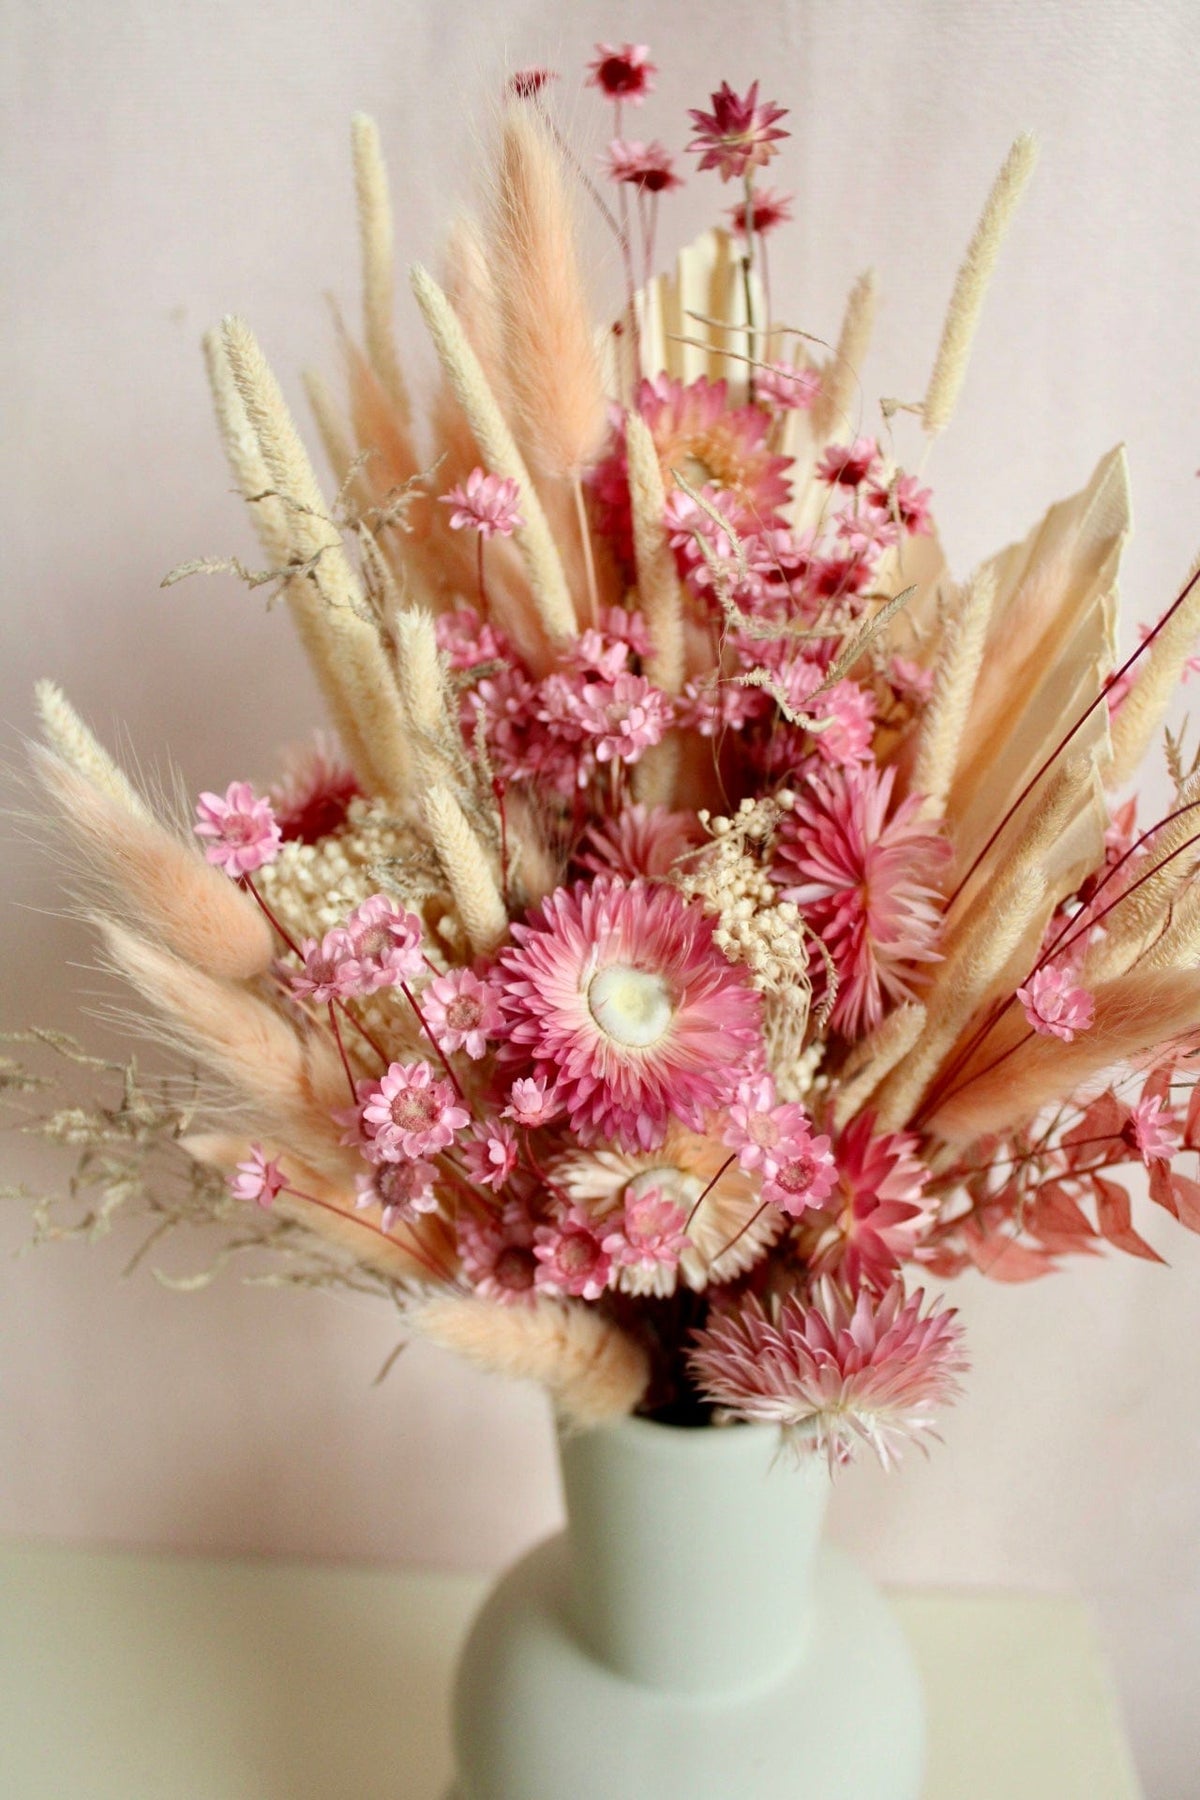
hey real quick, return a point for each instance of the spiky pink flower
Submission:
(497, 1255)
(622, 73)
(834, 1372)
(1152, 1130)
(649, 1240)
(907, 501)
(491, 1155)
(866, 884)
(767, 211)
(849, 465)
(776, 1139)
(648, 167)
(410, 1114)
(257, 1178)
(878, 1207)
(330, 971)
(571, 1257)
(1055, 1005)
(640, 840)
(385, 940)
(619, 993)
(739, 134)
(486, 504)
(532, 1102)
(462, 1011)
(244, 832)
(403, 1189)
(313, 797)
(786, 388)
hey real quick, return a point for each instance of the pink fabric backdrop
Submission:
(167, 164)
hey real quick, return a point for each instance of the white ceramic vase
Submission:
(688, 1637)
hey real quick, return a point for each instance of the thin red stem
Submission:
(708, 1190)
(248, 883)
(337, 1035)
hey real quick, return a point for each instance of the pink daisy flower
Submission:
(776, 1140)
(834, 1372)
(767, 211)
(622, 718)
(330, 971)
(410, 1114)
(649, 167)
(865, 884)
(1152, 1131)
(846, 711)
(785, 388)
(1055, 1005)
(497, 1256)
(907, 501)
(486, 504)
(386, 943)
(622, 73)
(244, 833)
(879, 1206)
(532, 1102)
(404, 1190)
(491, 1155)
(463, 1012)
(257, 1178)
(739, 134)
(571, 1257)
(619, 992)
(313, 798)
(646, 1246)
(466, 640)
(848, 465)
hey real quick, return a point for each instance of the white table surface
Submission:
(133, 1677)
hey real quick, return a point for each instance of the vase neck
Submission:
(691, 1552)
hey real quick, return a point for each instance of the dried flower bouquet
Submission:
(710, 914)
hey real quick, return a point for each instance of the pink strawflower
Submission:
(622, 73)
(497, 1255)
(385, 940)
(466, 639)
(849, 465)
(523, 84)
(486, 504)
(403, 1189)
(621, 718)
(463, 1012)
(312, 800)
(1055, 1005)
(879, 1210)
(738, 134)
(767, 211)
(571, 1257)
(640, 840)
(491, 1155)
(244, 832)
(619, 993)
(532, 1102)
(866, 884)
(907, 501)
(834, 1372)
(845, 712)
(410, 1113)
(649, 167)
(647, 1244)
(330, 970)
(786, 388)
(776, 1140)
(1152, 1131)
(257, 1178)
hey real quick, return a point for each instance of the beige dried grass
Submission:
(468, 869)
(1155, 686)
(837, 403)
(877, 1056)
(955, 674)
(378, 277)
(659, 590)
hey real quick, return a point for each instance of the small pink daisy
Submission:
(410, 1114)
(619, 992)
(330, 970)
(836, 1371)
(649, 1240)
(385, 940)
(243, 829)
(623, 718)
(571, 1257)
(403, 1189)
(785, 388)
(486, 504)
(766, 212)
(257, 1178)
(463, 1012)
(622, 73)
(649, 167)
(491, 1155)
(739, 134)
(910, 681)
(907, 501)
(1152, 1131)
(848, 465)
(497, 1255)
(1055, 1005)
(466, 639)
(532, 1102)
(776, 1141)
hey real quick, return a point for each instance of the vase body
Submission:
(688, 1637)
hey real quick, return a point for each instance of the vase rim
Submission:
(747, 1438)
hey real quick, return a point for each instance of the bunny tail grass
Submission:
(971, 284)
(592, 1369)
